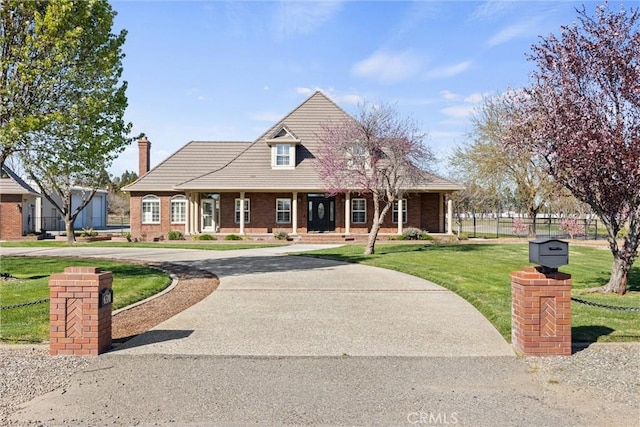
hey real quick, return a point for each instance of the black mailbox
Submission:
(549, 253)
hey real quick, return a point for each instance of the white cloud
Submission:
(474, 98)
(448, 95)
(490, 9)
(450, 71)
(511, 32)
(458, 111)
(266, 87)
(388, 67)
(293, 18)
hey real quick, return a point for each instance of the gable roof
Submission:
(13, 184)
(252, 169)
(246, 166)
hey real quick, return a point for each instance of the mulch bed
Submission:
(193, 286)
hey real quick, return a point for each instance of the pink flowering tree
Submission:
(377, 153)
(571, 226)
(582, 114)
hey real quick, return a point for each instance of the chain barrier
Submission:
(611, 307)
(26, 304)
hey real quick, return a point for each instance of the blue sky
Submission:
(202, 70)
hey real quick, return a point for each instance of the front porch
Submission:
(298, 213)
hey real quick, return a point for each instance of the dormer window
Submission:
(283, 157)
(283, 148)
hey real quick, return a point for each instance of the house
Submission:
(17, 205)
(266, 186)
(94, 215)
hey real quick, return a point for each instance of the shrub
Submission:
(232, 237)
(204, 237)
(175, 235)
(127, 236)
(519, 227)
(88, 232)
(463, 236)
(281, 235)
(412, 233)
(571, 226)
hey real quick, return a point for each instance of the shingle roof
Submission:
(252, 170)
(191, 161)
(13, 184)
(242, 166)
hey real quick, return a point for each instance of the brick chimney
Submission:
(144, 155)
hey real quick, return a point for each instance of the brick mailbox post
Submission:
(80, 313)
(541, 302)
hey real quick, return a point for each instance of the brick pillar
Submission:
(541, 312)
(80, 313)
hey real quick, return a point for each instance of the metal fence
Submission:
(491, 226)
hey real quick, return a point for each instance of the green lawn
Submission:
(480, 273)
(131, 283)
(204, 245)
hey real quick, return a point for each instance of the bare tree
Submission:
(376, 153)
(492, 164)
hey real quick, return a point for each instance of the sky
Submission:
(228, 71)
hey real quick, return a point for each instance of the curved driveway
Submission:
(270, 304)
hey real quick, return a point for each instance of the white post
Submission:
(294, 214)
(449, 216)
(242, 212)
(347, 213)
(400, 207)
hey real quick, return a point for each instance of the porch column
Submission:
(449, 216)
(294, 216)
(242, 212)
(400, 203)
(347, 213)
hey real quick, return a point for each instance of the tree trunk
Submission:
(619, 277)
(68, 225)
(370, 249)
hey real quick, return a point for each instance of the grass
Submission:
(480, 273)
(131, 283)
(211, 246)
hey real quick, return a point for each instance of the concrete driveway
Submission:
(270, 304)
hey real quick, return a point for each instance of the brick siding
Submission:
(10, 216)
(423, 211)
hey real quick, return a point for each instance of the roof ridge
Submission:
(286, 116)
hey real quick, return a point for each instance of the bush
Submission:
(88, 232)
(204, 237)
(463, 236)
(281, 235)
(127, 236)
(412, 233)
(232, 237)
(175, 235)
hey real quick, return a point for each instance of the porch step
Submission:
(331, 238)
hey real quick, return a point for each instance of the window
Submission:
(247, 210)
(394, 215)
(283, 156)
(359, 211)
(150, 210)
(283, 210)
(178, 209)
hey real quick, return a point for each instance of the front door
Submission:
(321, 214)
(208, 215)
